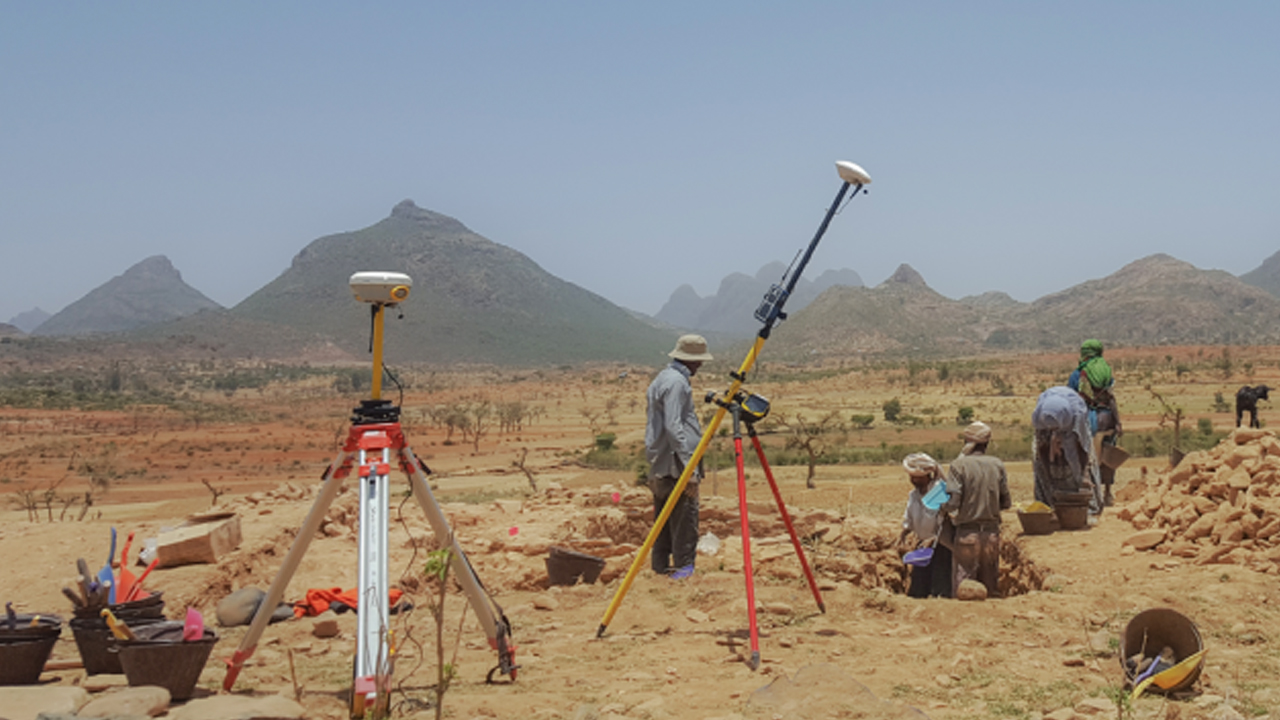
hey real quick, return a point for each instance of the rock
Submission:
(777, 608)
(697, 616)
(147, 700)
(1095, 706)
(238, 707)
(545, 602)
(26, 702)
(204, 542)
(239, 607)
(1146, 539)
(1062, 714)
(971, 590)
(326, 625)
(1225, 712)
(106, 681)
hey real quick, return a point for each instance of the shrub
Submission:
(892, 409)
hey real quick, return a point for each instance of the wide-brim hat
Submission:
(691, 348)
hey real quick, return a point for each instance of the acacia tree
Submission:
(810, 437)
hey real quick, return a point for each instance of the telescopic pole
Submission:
(379, 318)
(772, 314)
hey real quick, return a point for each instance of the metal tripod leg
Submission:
(753, 624)
(332, 484)
(371, 685)
(495, 623)
(786, 518)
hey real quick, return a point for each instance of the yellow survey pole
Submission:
(770, 312)
(670, 505)
(378, 316)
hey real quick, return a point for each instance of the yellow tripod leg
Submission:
(669, 507)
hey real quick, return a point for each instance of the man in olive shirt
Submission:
(979, 490)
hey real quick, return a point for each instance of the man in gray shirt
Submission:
(670, 438)
(979, 489)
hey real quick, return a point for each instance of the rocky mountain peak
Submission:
(906, 275)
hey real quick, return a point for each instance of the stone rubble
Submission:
(1219, 506)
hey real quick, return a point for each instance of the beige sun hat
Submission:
(976, 434)
(921, 465)
(691, 348)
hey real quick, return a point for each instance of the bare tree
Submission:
(524, 453)
(809, 436)
(217, 492)
(481, 413)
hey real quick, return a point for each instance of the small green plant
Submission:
(436, 571)
(604, 441)
(1205, 426)
(964, 415)
(1220, 404)
(1119, 695)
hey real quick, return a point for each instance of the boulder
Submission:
(27, 702)
(1146, 539)
(971, 590)
(238, 707)
(144, 701)
(205, 542)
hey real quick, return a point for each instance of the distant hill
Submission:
(1153, 301)
(7, 330)
(473, 300)
(29, 320)
(1266, 275)
(902, 314)
(151, 291)
(731, 310)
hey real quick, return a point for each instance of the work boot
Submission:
(1109, 500)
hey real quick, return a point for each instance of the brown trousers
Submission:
(976, 556)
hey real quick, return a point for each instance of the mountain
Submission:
(901, 314)
(473, 300)
(7, 330)
(1266, 275)
(1157, 300)
(151, 291)
(29, 320)
(731, 310)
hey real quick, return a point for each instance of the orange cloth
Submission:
(319, 599)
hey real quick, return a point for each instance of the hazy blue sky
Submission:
(633, 147)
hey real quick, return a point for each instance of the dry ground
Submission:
(673, 649)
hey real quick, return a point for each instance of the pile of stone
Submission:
(1217, 506)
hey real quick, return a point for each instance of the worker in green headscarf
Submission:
(1092, 379)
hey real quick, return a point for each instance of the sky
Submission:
(631, 148)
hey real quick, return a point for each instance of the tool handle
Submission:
(75, 599)
(137, 585)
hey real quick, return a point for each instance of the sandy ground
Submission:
(672, 649)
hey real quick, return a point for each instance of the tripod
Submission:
(374, 441)
(769, 313)
(748, 410)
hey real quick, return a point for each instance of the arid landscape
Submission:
(555, 464)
